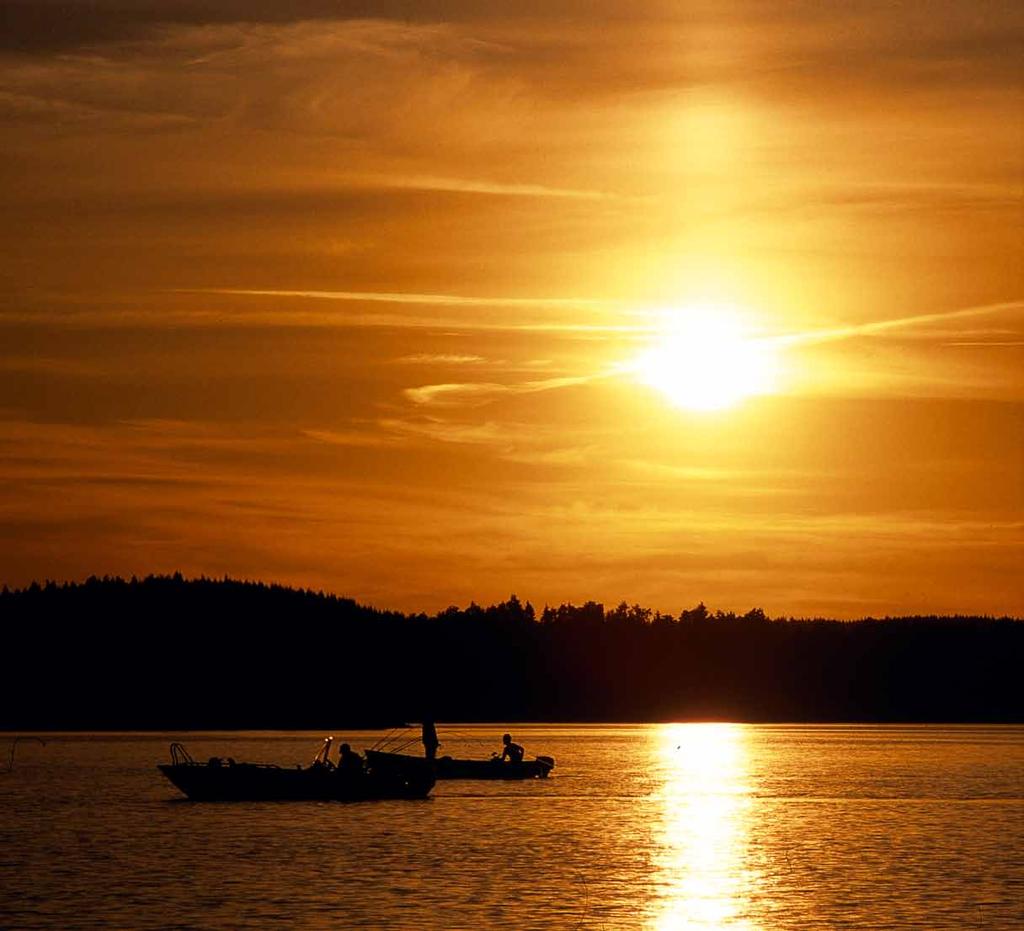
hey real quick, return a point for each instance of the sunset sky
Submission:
(429, 302)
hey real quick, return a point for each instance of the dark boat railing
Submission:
(180, 756)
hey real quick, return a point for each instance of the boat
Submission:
(446, 767)
(220, 780)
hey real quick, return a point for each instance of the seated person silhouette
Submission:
(348, 760)
(512, 752)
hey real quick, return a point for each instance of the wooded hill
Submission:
(169, 653)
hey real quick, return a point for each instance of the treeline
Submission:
(165, 652)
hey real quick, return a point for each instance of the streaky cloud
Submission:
(351, 438)
(456, 393)
(1008, 343)
(493, 188)
(872, 328)
(476, 393)
(115, 318)
(440, 358)
(387, 297)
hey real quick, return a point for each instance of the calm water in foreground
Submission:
(662, 826)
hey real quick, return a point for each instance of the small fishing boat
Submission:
(220, 780)
(446, 767)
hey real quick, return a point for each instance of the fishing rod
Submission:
(390, 737)
(403, 745)
(381, 741)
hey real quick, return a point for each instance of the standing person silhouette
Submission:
(430, 741)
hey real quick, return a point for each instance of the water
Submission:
(662, 827)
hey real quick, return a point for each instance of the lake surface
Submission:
(659, 826)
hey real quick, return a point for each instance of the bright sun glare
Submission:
(705, 360)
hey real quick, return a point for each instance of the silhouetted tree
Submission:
(164, 652)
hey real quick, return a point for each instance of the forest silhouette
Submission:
(169, 653)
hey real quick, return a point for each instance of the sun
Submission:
(705, 360)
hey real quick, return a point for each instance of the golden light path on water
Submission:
(703, 878)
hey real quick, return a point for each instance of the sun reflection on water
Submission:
(702, 879)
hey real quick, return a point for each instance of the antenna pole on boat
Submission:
(324, 753)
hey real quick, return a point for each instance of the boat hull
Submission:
(254, 782)
(447, 767)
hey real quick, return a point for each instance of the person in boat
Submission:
(348, 760)
(511, 751)
(430, 741)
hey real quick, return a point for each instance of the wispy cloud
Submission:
(473, 186)
(486, 433)
(477, 393)
(986, 344)
(161, 317)
(352, 438)
(508, 441)
(443, 300)
(440, 358)
(456, 393)
(876, 327)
